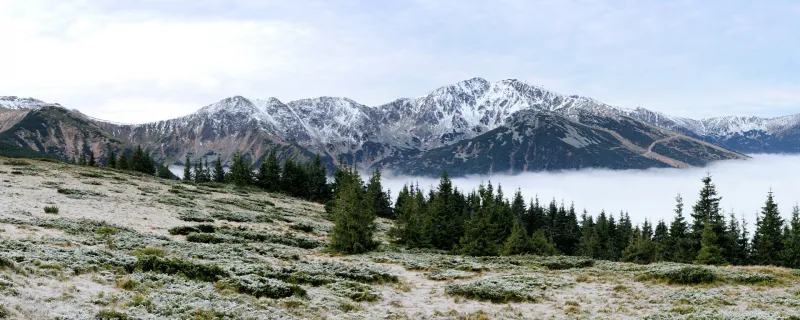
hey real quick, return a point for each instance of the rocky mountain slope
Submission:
(413, 131)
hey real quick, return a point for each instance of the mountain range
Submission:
(470, 127)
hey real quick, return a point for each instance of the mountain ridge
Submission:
(406, 128)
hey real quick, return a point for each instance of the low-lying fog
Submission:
(651, 193)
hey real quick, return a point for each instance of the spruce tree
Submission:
(404, 228)
(92, 162)
(589, 245)
(791, 247)
(445, 221)
(641, 250)
(272, 174)
(541, 246)
(163, 172)
(219, 172)
(660, 237)
(206, 171)
(535, 217)
(680, 242)
(517, 242)
(737, 254)
(241, 171)
(82, 160)
(112, 160)
(743, 244)
(768, 239)
(379, 199)
(187, 169)
(707, 210)
(710, 253)
(354, 221)
(479, 238)
(318, 182)
(123, 163)
(199, 172)
(261, 176)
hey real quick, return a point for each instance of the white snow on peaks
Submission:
(14, 102)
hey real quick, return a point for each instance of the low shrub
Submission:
(128, 284)
(149, 251)
(235, 216)
(196, 216)
(111, 315)
(185, 230)
(212, 238)
(248, 204)
(259, 286)
(502, 289)
(680, 275)
(16, 162)
(51, 209)
(91, 175)
(302, 227)
(269, 237)
(188, 269)
(354, 290)
(447, 274)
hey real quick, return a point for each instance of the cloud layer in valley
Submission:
(650, 194)
(137, 61)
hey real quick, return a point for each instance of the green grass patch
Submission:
(51, 209)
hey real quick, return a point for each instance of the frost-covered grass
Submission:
(503, 289)
(144, 248)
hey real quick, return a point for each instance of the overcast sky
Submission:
(137, 61)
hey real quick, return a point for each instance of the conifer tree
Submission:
(768, 239)
(241, 171)
(517, 242)
(743, 243)
(92, 162)
(112, 160)
(163, 172)
(589, 245)
(791, 247)
(660, 237)
(199, 172)
(707, 210)
(187, 169)
(680, 242)
(123, 163)
(540, 246)
(379, 199)
(535, 218)
(141, 162)
(206, 171)
(710, 253)
(641, 250)
(320, 190)
(272, 173)
(480, 238)
(82, 160)
(219, 172)
(736, 254)
(404, 228)
(445, 215)
(354, 221)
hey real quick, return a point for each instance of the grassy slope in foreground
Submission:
(117, 247)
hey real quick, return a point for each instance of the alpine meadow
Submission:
(433, 160)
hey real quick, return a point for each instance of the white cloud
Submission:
(692, 58)
(650, 194)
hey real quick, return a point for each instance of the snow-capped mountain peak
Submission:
(14, 102)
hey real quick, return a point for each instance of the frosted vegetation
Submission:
(122, 245)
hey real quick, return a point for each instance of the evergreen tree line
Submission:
(307, 181)
(139, 160)
(484, 222)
